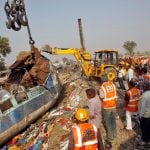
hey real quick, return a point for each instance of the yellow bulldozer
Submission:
(104, 62)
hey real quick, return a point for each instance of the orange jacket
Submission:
(147, 77)
(85, 137)
(134, 95)
(109, 100)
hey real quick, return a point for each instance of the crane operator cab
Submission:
(106, 57)
(107, 61)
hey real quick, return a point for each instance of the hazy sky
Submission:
(106, 24)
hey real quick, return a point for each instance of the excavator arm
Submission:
(64, 51)
(82, 58)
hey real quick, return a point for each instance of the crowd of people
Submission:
(101, 109)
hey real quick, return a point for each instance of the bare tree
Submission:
(129, 46)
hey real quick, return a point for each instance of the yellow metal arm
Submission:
(64, 51)
(82, 58)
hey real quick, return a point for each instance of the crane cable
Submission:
(31, 41)
(17, 17)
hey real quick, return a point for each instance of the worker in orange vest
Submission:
(131, 103)
(84, 135)
(146, 75)
(108, 97)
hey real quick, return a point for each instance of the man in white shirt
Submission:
(121, 75)
(94, 105)
(130, 73)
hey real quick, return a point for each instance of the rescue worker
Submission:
(84, 135)
(146, 75)
(108, 97)
(131, 103)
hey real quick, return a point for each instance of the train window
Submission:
(49, 84)
(5, 100)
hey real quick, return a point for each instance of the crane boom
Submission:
(81, 35)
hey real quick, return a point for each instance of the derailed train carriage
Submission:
(31, 89)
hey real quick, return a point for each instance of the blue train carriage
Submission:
(20, 106)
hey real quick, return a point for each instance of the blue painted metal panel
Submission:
(23, 110)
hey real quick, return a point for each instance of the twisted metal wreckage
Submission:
(32, 86)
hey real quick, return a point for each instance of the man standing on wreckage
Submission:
(108, 97)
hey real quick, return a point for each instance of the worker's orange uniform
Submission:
(109, 90)
(133, 60)
(134, 95)
(147, 77)
(85, 137)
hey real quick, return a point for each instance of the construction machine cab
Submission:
(106, 57)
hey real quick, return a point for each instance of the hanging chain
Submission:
(31, 41)
(17, 17)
